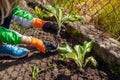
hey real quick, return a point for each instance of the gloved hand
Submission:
(50, 27)
(43, 46)
(46, 26)
(50, 48)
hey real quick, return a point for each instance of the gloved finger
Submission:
(50, 48)
(50, 27)
(49, 44)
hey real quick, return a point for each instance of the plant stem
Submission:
(58, 33)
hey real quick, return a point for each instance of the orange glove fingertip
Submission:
(38, 44)
(38, 23)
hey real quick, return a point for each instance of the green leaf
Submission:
(88, 45)
(51, 9)
(72, 55)
(67, 52)
(48, 14)
(63, 56)
(65, 49)
(60, 15)
(72, 18)
(79, 63)
(78, 50)
(80, 56)
(92, 60)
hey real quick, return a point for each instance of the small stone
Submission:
(22, 70)
(55, 72)
(10, 70)
(26, 78)
(74, 77)
(47, 76)
(6, 77)
(67, 72)
(80, 78)
(17, 68)
(25, 65)
(14, 74)
(2, 73)
(19, 78)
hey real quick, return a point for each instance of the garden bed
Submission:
(20, 68)
(105, 47)
(69, 71)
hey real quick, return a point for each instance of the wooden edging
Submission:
(105, 47)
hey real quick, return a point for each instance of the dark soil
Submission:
(67, 70)
(19, 69)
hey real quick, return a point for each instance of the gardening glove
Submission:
(43, 46)
(50, 48)
(46, 26)
(50, 27)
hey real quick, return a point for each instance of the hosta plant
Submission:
(78, 54)
(57, 13)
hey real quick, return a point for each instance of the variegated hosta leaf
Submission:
(47, 14)
(88, 46)
(72, 18)
(60, 14)
(63, 56)
(38, 12)
(65, 49)
(72, 55)
(79, 63)
(92, 60)
(78, 49)
(51, 9)
(66, 52)
(79, 53)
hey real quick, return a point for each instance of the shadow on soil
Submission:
(9, 62)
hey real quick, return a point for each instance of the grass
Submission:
(109, 18)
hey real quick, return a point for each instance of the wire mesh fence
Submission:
(105, 14)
